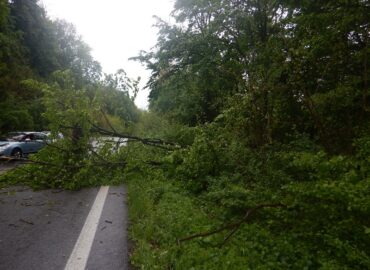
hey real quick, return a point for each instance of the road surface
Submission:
(6, 166)
(57, 229)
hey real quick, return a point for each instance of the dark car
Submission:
(20, 144)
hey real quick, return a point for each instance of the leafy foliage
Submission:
(291, 67)
(70, 160)
(275, 174)
(318, 218)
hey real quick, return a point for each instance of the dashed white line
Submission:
(81, 250)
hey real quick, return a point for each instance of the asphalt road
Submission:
(57, 229)
(5, 166)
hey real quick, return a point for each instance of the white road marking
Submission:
(81, 250)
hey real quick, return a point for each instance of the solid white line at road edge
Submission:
(81, 251)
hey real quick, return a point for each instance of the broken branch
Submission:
(233, 226)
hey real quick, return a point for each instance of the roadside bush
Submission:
(309, 209)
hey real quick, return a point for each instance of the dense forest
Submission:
(255, 152)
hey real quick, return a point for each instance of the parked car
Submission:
(20, 144)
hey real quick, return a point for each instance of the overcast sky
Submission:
(115, 30)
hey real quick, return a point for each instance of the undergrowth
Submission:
(297, 207)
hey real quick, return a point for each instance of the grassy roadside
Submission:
(161, 213)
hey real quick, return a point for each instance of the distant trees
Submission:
(34, 47)
(75, 54)
(37, 35)
(14, 66)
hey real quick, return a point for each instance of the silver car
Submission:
(20, 144)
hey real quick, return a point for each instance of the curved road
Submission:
(57, 229)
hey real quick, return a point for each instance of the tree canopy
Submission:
(298, 67)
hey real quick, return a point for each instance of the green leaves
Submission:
(319, 219)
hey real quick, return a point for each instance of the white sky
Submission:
(115, 30)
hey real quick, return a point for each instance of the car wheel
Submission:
(16, 153)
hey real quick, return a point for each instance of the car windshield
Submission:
(13, 137)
